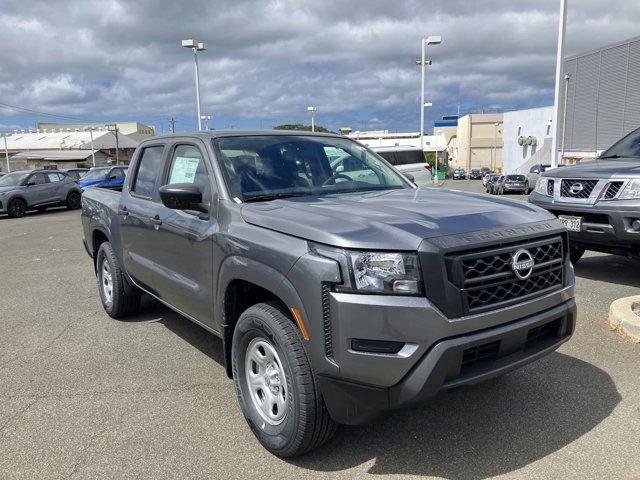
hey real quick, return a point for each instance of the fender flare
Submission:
(260, 274)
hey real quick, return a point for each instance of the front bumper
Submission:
(606, 225)
(454, 362)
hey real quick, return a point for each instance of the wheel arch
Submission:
(244, 282)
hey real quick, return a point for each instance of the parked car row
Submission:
(27, 190)
(37, 190)
(474, 174)
(502, 184)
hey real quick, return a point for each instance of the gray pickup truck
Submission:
(598, 201)
(336, 296)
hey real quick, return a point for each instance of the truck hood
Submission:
(395, 219)
(615, 167)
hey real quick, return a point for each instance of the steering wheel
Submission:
(332, 179)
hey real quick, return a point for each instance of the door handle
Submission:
(124, 212)
(156, 220)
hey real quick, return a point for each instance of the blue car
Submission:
(105, 177)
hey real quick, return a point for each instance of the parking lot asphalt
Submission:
(84, 396)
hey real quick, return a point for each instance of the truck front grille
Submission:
(487, 280)
(612, 190)
(576, 188)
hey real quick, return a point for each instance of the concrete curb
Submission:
(622, 317)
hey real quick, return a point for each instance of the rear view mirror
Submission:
(182, 196)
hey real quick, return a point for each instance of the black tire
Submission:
(307, 423)
(74, 201)
(121, 303)
(17, 208)
(575, 253)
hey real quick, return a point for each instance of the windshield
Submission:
(13, 179)
(96, 174)
(629, 146)
(277, 166)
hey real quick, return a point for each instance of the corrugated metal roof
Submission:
(68, 140)
(53, 155)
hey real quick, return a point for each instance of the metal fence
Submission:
(603, 97)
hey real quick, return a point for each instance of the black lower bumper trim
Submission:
(454, 362)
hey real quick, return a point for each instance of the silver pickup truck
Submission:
(598, 201)
(338, 294)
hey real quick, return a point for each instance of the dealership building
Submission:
(603, 98)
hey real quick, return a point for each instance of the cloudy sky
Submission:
(267, 60)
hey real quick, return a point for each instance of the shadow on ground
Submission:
(153, 311)
(482, 431)
(470, 433)
(611, 269)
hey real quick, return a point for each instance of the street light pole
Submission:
(313, 111)
(206, 119)
(432, 40)
(196, 47)
(556, 98)
(564, 114)
(6, 152)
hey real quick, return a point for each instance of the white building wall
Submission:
(535, 122)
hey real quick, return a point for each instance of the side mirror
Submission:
(340, 169)
(30, 183)
(182, 196)
(411, 178)
(111, 177)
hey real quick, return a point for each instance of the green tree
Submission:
(301, 127)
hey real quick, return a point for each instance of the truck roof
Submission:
(241, 133)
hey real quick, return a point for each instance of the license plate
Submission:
(573, 224)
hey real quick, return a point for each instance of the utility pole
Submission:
(562, 23)
(115, 130)
(6, 152)
(172, 125)
(93, 152)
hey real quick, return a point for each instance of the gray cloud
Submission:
(270, 59)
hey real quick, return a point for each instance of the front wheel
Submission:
(17, 208)
(73, 201)
(276, 388)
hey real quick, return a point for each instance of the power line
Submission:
(36, 112)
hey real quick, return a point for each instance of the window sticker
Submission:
(184, 170)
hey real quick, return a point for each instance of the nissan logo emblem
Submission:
(522, 264)
(576, 188)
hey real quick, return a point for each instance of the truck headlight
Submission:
(375, 272)
(631, 191)
(541, 186)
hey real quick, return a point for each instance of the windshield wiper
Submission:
(272, 196)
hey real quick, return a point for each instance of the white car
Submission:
(409, 160)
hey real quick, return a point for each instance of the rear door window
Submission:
(54, 177)
(148, 170)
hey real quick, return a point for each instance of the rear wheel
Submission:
(115, 299)
(575, 253)
(17, 208)
(73, 201)
(276, 388)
